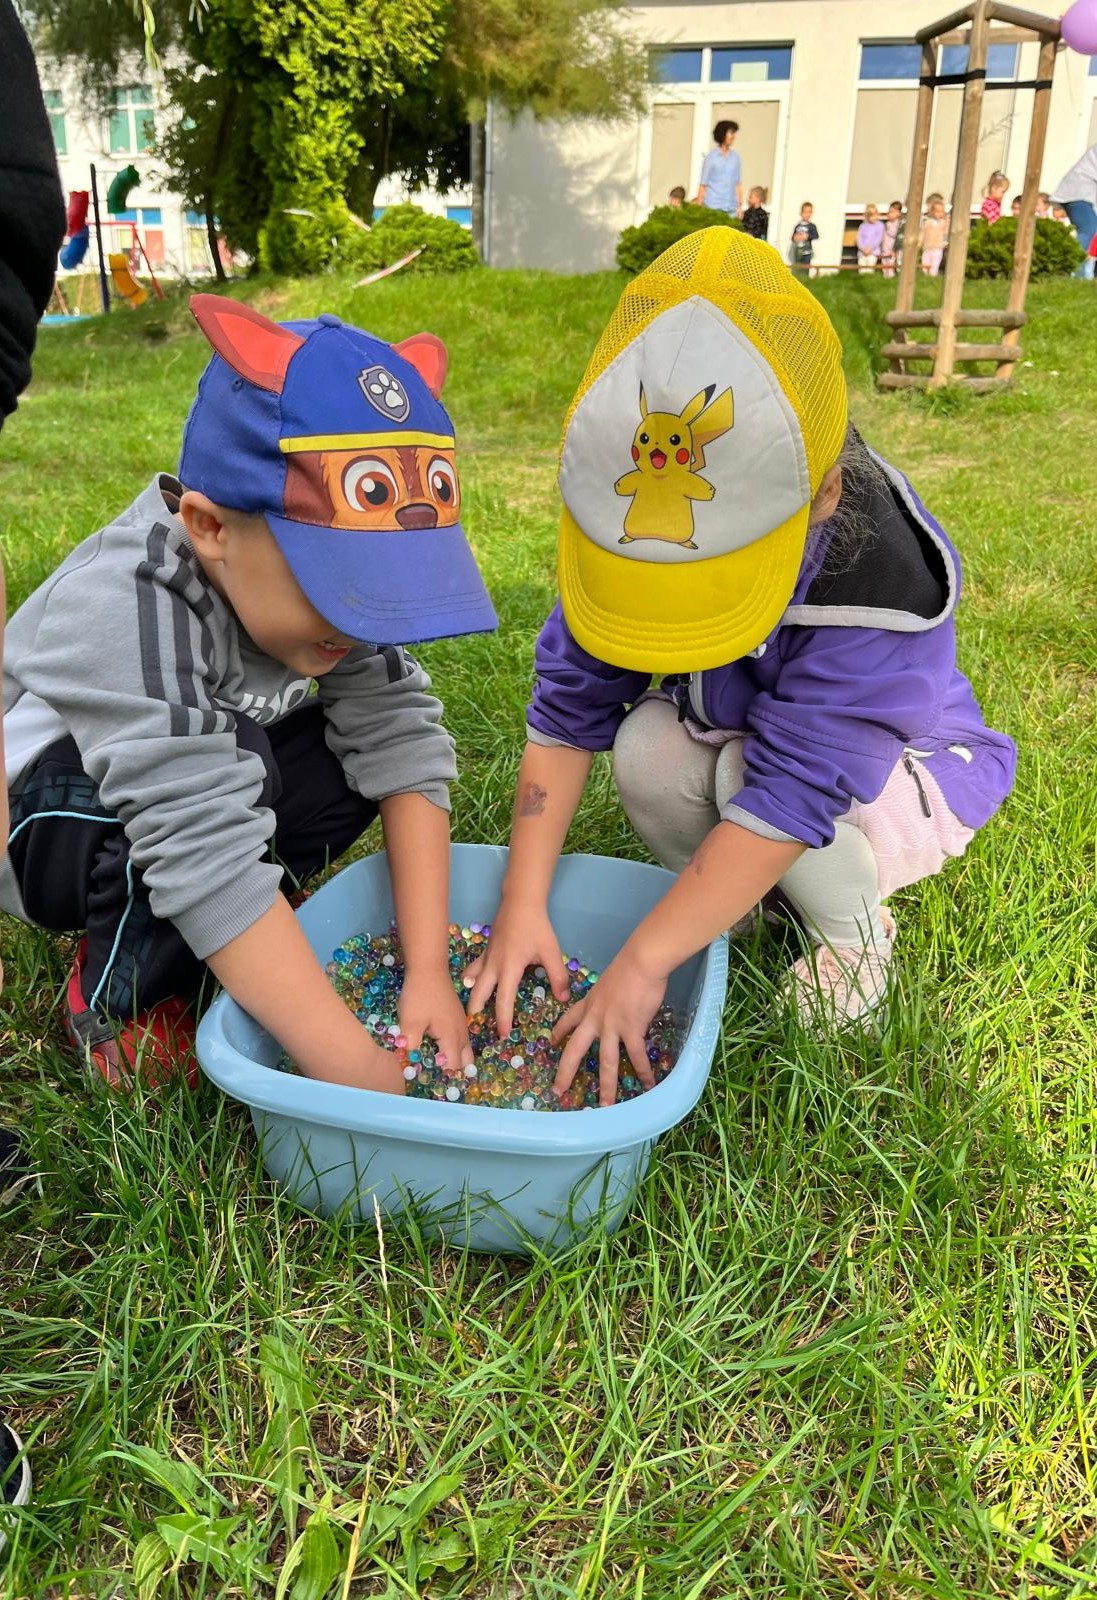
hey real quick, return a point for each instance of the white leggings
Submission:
(673, 788)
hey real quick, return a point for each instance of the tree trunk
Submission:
(224, 124)
(476, 183)
(214, 243)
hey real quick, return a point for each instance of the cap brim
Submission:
(388, 587)
(661, 617)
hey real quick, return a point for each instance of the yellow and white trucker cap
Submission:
(710, 410)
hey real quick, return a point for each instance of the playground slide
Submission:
(125, 283)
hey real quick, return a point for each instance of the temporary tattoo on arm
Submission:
(531, 800)
(697, 862)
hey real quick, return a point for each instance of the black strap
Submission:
(943, 79)
(936, 81)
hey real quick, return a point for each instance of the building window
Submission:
(55, 108)
(890, 61)
(895, 62)
(1001, 60)
(132, 124)
(461, 214)
(678, 66)
(754, 64)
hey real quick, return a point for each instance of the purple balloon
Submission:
(1079, 27)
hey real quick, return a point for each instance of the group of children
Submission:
(880, 239)
(210, 699)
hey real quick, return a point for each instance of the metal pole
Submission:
(104, 291)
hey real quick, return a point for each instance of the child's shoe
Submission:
(834, 989)
(154, 1045)
(15, 1481)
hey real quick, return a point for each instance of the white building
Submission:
(823, 92)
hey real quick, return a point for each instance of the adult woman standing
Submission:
(1077, 194)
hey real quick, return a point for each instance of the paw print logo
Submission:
(385, 393)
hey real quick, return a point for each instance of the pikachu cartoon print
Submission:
(669, 451)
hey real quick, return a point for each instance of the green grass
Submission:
(845, 1343)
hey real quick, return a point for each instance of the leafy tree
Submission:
(556, 58)
(292, 111)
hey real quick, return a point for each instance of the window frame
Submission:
(138, 114)
(705, 51)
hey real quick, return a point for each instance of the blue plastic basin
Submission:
(507, 1181)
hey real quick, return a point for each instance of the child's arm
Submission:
(730, 872)
(271, 971)
(550, 785)
(417, 841)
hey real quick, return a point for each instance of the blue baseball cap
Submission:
(341, 442)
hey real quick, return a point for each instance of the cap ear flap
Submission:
(427, 354)
(253, 346)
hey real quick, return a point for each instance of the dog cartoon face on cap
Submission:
(379, 457)
(401, 486)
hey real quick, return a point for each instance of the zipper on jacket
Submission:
(922, 799)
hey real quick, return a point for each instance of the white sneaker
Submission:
(842, 988)
(15, 1489)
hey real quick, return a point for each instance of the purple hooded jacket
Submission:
(859, 672)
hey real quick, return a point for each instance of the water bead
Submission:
(388, 961)
(440, 1058)
(411, 1073)
(453, 1092)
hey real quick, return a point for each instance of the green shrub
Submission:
(1055, 250)
(403, 228)
(638, 247)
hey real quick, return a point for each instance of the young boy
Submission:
(891, 252)
(161, 733)
(804, 235)
(756, 217)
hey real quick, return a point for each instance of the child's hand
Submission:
(428, 1004)
(521, 937)
(380, 1070)
(617, 1012)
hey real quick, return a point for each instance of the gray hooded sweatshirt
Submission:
(129, 649)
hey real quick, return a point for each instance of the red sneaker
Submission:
(154, 1046)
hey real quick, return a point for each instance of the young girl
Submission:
(891, 252)
(756, 217)
(757, 619)
(934, 235)
(870, 240)
(995, 191)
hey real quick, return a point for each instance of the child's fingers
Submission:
(454, 1049)
(609, 1068)
(637, 1052)
(558, 975)
(505, 996)
(577, 1046)
(568, 1022)
(479, 991)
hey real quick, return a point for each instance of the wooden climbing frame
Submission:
(973, 25)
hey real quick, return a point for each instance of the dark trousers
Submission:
(72, 858)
